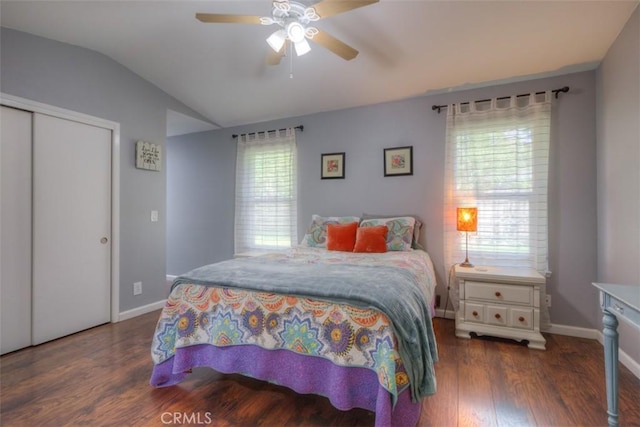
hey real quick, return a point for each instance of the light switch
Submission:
(154, 216)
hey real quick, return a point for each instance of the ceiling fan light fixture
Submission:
(295, 32)
(277, 39)
(294, 17)
(302, 47)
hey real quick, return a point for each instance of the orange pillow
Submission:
(341, 237)
(371, 239)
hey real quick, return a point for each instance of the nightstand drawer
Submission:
(521, 318)
(497, 315)
(511, 294)
(474, 312)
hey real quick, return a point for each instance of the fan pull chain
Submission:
(291, 60)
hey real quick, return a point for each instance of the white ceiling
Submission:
(407, 48)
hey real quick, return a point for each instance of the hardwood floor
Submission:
(101, 377)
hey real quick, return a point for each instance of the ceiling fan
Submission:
(294, 20)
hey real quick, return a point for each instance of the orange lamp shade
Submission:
(467, 219)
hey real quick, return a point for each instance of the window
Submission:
(266, 191)
(497, 160)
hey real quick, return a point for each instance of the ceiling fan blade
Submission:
(228, 19)
(333, 7)
(273, 57)
(334, 45)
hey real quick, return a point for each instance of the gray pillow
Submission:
(415, 244)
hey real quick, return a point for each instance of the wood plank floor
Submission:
(101, 377)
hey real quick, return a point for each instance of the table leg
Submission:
(611, 365)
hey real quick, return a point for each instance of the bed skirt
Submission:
(345, 387)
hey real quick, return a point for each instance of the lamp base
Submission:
(466, 262)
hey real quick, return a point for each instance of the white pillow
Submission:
(316, 235)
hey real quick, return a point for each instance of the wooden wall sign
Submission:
(148, 156)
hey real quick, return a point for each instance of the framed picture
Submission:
(332, 166)
(398, 161)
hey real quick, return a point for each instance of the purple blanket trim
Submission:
(346, 388)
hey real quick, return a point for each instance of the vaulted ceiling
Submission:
(406, 49)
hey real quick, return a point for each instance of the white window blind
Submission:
(266, 191)
(497, 160)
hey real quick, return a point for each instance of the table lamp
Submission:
(467, 220)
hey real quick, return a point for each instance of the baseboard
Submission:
(631, 364)
(450, 313)
(623, 357)
(597, 335)
(573, 331)
(139, 311)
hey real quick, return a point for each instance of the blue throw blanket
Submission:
(396, 292)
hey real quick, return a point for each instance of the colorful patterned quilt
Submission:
(348, 333)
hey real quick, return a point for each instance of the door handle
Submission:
(104, 240)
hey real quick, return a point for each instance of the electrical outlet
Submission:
(547, 300)
(137, 288)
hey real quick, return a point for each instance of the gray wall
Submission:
(618, 148)
(85, 81)
(363, 133)
(200, 201)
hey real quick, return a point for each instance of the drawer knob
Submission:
(475, 313)
(521, 319)
(498, 294)
(497, 315)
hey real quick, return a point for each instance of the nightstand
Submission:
(501, 302)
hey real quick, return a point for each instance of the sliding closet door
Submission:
(15, 229)
(71, 227)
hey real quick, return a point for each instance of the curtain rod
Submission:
(235, 135)
(564, 89)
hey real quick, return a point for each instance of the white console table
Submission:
(617, 302)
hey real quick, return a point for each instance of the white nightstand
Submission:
(501, 302)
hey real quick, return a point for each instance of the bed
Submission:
(353, 327)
